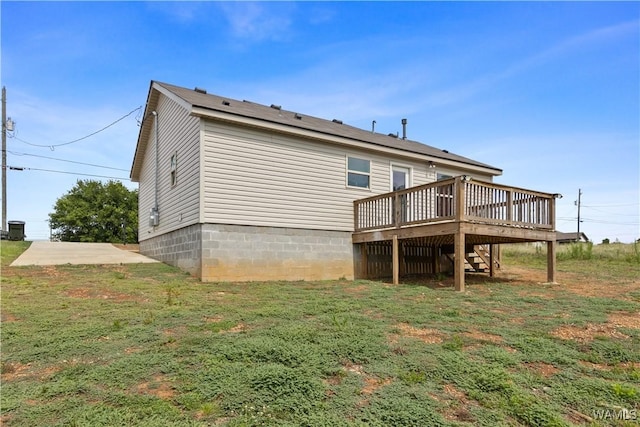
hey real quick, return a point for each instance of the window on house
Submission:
(358, 172)
(442, 176)
(174, 169)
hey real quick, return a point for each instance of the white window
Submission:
(358, 172)
(174, 169)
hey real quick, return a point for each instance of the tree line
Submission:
(93, 211)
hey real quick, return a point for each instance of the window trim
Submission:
(356, 172)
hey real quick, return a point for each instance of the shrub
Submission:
(577, 251)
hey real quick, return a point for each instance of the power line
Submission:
(611, 213)
(52, 146)
(20, 168)
(609, 206)
(69, 161)
(600, 221)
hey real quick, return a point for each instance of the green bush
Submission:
(577, 251)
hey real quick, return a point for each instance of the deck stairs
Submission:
(478, 260)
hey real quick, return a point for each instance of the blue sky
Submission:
(548, 92)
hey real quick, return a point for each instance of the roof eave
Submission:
(212, 114)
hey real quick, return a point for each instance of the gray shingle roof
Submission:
(274, 114)
(571, 237)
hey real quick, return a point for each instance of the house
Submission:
(571, 237)
(233, 190)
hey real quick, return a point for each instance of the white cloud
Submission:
(254, 21)
(181, 11)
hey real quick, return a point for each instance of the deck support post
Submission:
(491, 267)
(435, 259)
(364, 262)
(551, 261)
(396, 260)
(458, 269)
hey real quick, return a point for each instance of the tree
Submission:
(93, 211)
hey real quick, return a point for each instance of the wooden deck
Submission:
(455, 213)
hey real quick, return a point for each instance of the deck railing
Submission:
(456, 199)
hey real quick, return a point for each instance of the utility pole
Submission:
(4, 159)
(578, 203)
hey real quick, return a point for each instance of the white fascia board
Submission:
(172, 96)
(334, 139)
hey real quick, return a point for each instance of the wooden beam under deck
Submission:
(443, 234)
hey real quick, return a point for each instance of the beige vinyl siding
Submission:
(268, 179)
(179, 206)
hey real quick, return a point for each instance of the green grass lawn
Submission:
(147, 345)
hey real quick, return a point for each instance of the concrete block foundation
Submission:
(219, 252)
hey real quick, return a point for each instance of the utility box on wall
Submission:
(154, 217)
(16, 230)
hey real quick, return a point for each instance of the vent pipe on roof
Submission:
(373, 126)
(404, 128)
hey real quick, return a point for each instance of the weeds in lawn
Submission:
(172, 294)
(147, 345)
(577, 251)
(616, 252)
(625, 392)
(634, 256)
(148, 318)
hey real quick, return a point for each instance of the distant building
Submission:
(571, 237)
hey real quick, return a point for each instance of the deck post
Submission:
(364, 266)
(458, 269)
(396, 261)
(401, 263)
(551, 261)
(396, 210)
(491, 267)
(435, 259)
(460, 198)
(356, 215)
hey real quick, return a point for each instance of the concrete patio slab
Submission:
(58, 253)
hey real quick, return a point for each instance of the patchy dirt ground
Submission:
(572, 282)
(159, 387)
(97, 293)
(591, 331)
(426, 335)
